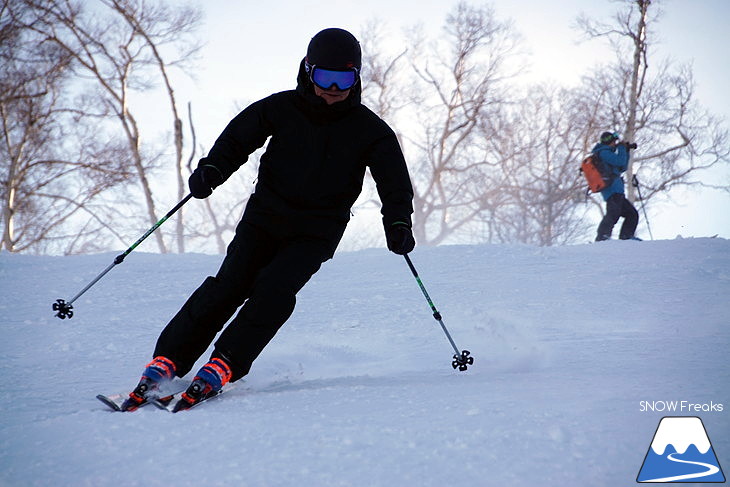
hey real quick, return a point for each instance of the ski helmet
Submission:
(334, 48)
(608, 137)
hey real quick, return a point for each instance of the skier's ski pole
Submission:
(635, 182)
(461, 359)
(65, 308)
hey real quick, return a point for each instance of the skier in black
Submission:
(321, 139)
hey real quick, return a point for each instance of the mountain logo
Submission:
(680, 452)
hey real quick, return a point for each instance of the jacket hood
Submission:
(305, 89)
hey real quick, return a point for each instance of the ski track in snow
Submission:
(357, 389)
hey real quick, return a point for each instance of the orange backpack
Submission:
(596, 173)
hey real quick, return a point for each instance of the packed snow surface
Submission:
(579, 352)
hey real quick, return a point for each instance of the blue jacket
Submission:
(617, 159)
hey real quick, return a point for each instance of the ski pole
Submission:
(65, 309)
(461, 359)
(635, 182)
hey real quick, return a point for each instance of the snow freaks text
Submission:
(680, 407)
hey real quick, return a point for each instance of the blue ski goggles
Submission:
(325, 78)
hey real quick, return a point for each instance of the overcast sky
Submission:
(253, 49)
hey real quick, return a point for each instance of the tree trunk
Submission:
(8, 241)
(639, 68)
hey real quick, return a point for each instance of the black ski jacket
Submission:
(312, 170)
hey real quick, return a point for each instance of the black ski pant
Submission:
(618, 206)
(261, 269)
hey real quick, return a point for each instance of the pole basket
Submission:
(461, 361)
(64, 309)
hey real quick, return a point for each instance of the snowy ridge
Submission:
(357, 389)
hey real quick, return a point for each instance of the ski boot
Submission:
(160, 370)
(207, 383)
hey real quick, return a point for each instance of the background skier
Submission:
(321, 139)
(615, 155)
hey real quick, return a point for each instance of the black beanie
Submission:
(335, 49)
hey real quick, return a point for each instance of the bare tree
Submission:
(443, 96)
(158, 26)
(52, 169)
(381, 72)
(655, 107)
(462, 81)
(542, 189)
(116, 54)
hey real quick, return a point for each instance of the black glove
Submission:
(203, 180)
(630, 145)
(400, 238)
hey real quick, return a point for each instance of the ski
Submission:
(115, 401)
(171, 404)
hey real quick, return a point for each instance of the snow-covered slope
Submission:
(570, 344)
